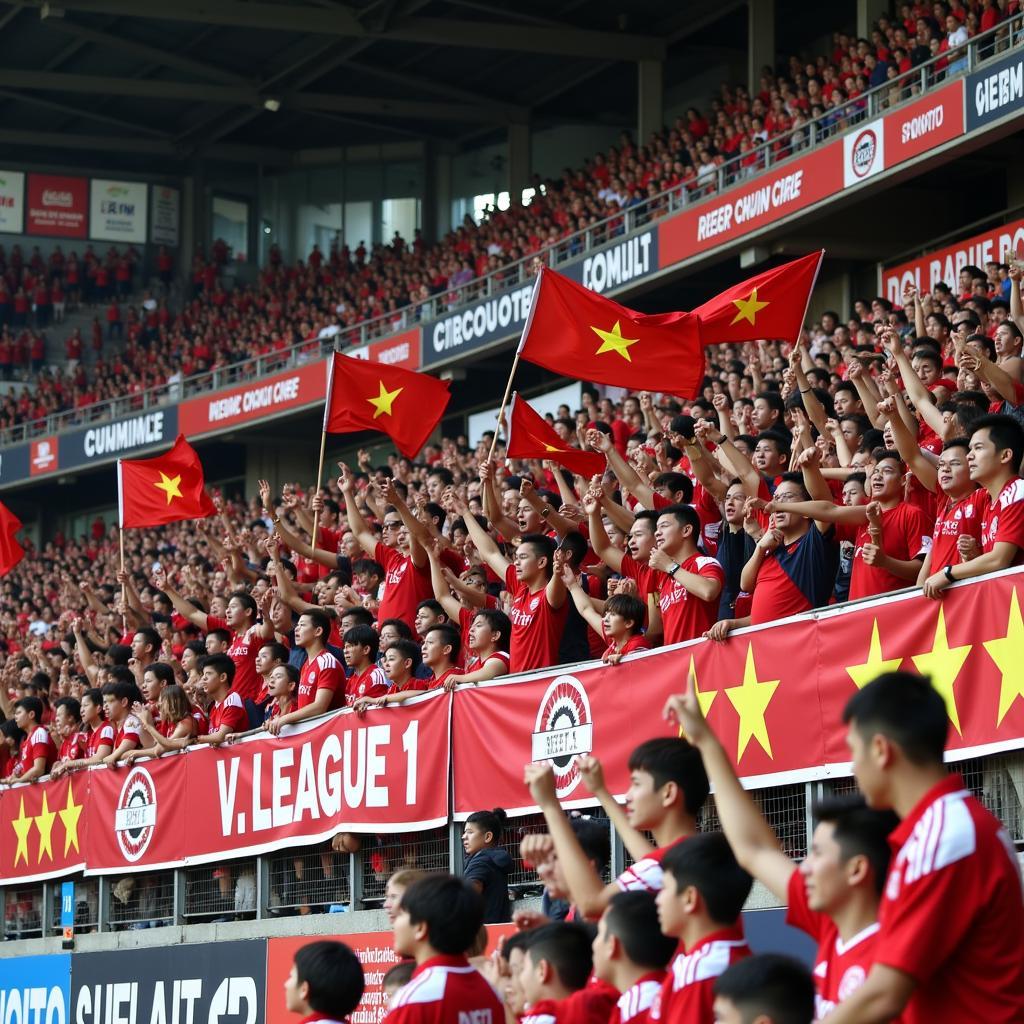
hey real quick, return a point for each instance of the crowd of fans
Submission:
(343, 290)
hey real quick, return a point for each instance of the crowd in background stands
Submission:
(334, 293)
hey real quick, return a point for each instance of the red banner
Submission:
(378, 773)
(57, 206)
(774, 694)
(936, 118)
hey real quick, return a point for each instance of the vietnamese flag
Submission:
(404, 404)
(164, 489)
(772, 305)
(530, 436)
(11, 552)
(573, 331)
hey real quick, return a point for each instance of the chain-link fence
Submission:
(224, 892)
(310, 881)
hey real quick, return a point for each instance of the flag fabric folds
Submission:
(164, 489)
(11, 552)
(771, 305)
(401, 403)
(530, 436)
(573, 331)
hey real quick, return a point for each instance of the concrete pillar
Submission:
(649, 115)
(441, 195)
(518, 161)
(863, 19)
(760, 40)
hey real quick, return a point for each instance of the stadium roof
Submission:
(158, 84)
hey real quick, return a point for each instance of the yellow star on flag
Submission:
(751, 701)
(69, 816)
(383, 402)
(875, 665)
(748, 308)
(704, 699)
(22, 825)
(943, 664)
(1008, 654)
(171, 486)
(613, 341)
(44, 824)
(547, 447)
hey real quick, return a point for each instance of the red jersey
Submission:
(684, 616)
(230, 712)
(131, 730)
(953, 520)
(1003, 521)
(906, 534)
(687, 996)
(371, 682)
(634, 1005)
(475, 663)
(38, 743)
(952, 913)
(322, 672)
(646, 578)
(591, 1004)
(242, 651)
(73, 747)
(404, 585)
(444, 989)
(202, 726)
(536, 626)
(839, 967)
(637, 642)
(646, 875)
(100, 737)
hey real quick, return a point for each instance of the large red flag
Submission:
(401, 403)
(164, 489)
(575, 332)
(530, 436)
(11, 552)
(771, 305)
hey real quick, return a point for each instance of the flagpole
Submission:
(504, 403)
(316, 486)
(120, 539)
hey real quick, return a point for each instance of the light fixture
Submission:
(272, 104)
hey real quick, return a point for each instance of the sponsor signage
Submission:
(996, 91)
(921, 126)
(399, 350)
(493, 319)
(863, 152)
(43, 456)
(34, 989)
(14, 464)
(12, 202)
(945, 265)
(165, 215)
(200, 983)
(117, 210)
(57, 206)
(617, 265)
(107, 441)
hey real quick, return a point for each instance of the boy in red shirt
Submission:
(117, 701)
(67, 719)
(227, 712)
(952, 913)
(38, 751)
(367, 680)
(770, 989)
(621, 625)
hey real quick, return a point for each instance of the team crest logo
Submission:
(534, 604)
(564, 730)
(852, 980)
(135, 816)
(864, 149)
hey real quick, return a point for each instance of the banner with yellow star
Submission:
(404, 404)
(576, 332)
(530, 436)
(771, 305)
(164, 489)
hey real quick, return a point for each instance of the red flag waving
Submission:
(575, 332)
(772, 305)
(401, 403)
(164, 489)
(530, 436)
(11, 552)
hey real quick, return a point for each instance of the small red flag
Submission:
(575, 332)
(11, 552)
(401, 403)
(530, 436)
(164, 489)
(772, 305)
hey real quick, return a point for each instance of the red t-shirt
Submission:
(38, 743)
(953, 520)
(445, 989)
(536, 626)
(371, 682)
(684, 616)
(322, 672)
(73, 747)
(404, 585)
(101, 737)
(687, 996)
(646, 578)
(646, 875)
(634, 1005)
(242, 651)
(906, 534)
(839, 967)
(130, 729)
(952, 914)
(592, 1004)
(637, 642)
(230, 712)
(1003, 521)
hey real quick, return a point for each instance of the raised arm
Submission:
(442, 591)
(593, 778)
(184, 608)
(356, 523)
(581, 599)
(906, 444)
(483, 541)
(599, 540)
(628, 477)
(559, 523)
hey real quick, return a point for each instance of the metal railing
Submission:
(634, 216)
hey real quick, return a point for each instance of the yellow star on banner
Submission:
(748, 308)
(22, 825)
(171, 486)
(704, 699)
(613, 341)
(44, 824)
(875, 665)
(383, 402)
(943, 664)
(69, 816)
(1008, 654)
(751, 701)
